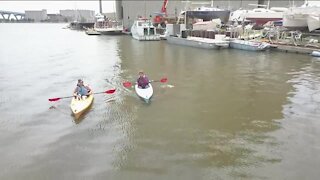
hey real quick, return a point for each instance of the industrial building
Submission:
(36, 16)
(56, 18)
(83, 16)
(129, 10)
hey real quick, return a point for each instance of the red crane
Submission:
(158, 19)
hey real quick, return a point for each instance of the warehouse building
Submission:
(129, 10)
(36, 16)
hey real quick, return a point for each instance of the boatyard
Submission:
(168, 91)
(263, 28)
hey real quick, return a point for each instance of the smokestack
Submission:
(100, 6)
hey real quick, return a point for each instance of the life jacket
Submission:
(143, 81)
(82, 90)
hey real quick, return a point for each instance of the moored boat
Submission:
(249, 45)
(197, 42)
(107, 26)
(261, 16)
(92, 32)
(298, 17)
(313, 22)
(143, 30)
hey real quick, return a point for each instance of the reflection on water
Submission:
(222, 115)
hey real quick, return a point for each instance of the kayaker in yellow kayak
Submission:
(81, 90)
(143, 80)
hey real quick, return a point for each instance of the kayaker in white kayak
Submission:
(143, 80)
(81, 90)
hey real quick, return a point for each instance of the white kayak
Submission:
(146, 93)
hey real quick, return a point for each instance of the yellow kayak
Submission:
(79, 106)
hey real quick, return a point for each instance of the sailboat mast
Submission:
(100, 6)
(145, 11)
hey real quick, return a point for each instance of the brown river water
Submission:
(224, 114)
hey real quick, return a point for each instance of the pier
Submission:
(292, 49)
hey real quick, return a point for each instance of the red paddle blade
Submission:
(110, 91)
(127, 84)
(163, 80)
(54, 99)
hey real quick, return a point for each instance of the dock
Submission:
(292, 49)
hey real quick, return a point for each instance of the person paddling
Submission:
(81, 89)
(143, 80)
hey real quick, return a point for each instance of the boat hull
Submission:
(223, 15)
(262, 21)
(109, 32)
(92, 32)
(297, 21)
(313, 22)
(147, 38)
(249, 46)
(144, 94)
(78, 107)
(80, 26)
(194, 43)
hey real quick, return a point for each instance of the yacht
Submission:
(143, 30)
(260, 15)
(263, 15)
(107, 26)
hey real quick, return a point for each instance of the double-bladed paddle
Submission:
(129, 84)
(111, 91)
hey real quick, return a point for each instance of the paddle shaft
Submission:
(129, 84)
(107, 92)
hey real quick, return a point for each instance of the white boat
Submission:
(208, 13)
(197, 42)
(315, 53)
(313, 22)
(238, 15)
(91, 31)
(143, 30)
(146, 93)
(297, 17)
(249, 45)
(108, 27)
(262, 15)
(214, 24)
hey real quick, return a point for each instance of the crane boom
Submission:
(164, 7)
